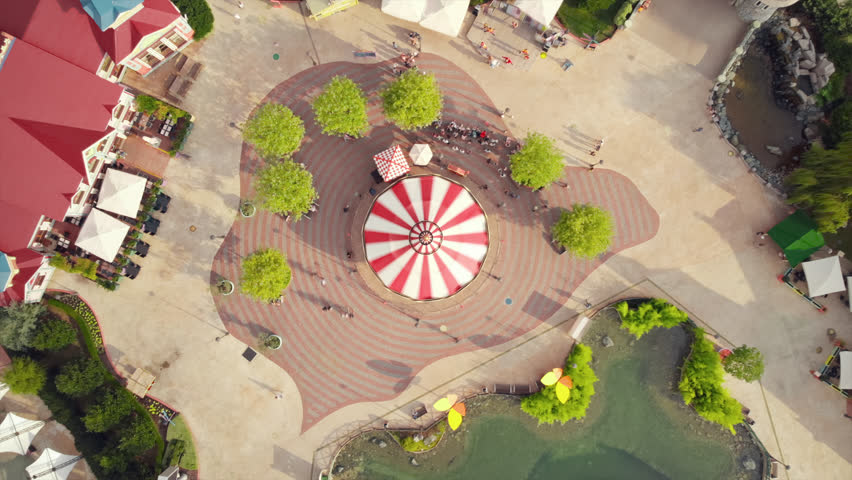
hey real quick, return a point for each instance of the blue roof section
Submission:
(5, 271)
(104, 12)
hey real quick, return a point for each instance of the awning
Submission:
(542, 11)
(391, 163)
(420, 154)
(798, 236)
(8, 270)
(846, 370)
(121, 192)
(824, 276)
(444, 16)
(102, 235)
(17, 433)
(52, 465)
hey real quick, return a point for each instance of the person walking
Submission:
(277, 395)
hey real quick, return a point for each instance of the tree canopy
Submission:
(80, 377)
(265, 275)
(274, 130)
(341, 108)
(137, 437)
(586, 231)
(547, 408)
(538, 163)
(115, 404)
(413, 100)
(18, 323)
(285, 187)
(53, 334)
(25, 376)
(745, 363)
(649, 315)
(701, 385)
(823, 184)
(198, 15)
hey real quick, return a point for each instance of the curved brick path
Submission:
(335, 361)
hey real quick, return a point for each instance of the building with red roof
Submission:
(101, 36)
(58, 126)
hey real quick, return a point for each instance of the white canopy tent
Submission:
(121, 193)
(824, 276)
(4, 389)
(542, 11)
(102, 235)
(845, 370)
(445, 16)
(52, 465)
(17, 433)
(849, 293)
(411, 10)
(420, 154)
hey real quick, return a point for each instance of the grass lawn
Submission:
(578, 20)
(180, 431)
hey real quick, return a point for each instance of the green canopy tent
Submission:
(798, 237)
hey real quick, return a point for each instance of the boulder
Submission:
(797, 36)
(810, 55)
(749, 464)
(810, 133)
(382, 444)
(802, 71)
(824, 67)
(430, 440)
(794, 22)
(820, 56)
(805, 44)
(413, 461)
(805, 33)
(607, 342)
(774, 150)
(807, 64)
(814, 80)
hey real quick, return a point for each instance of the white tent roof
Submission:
(52, 465)
(848, 295)
(411, 10)
(846, 370)
(17, 433)
(102, 234)
(445, 16)
(4, 389)
(824, 276)
(121, 193)
(542, 11)
(420, 154)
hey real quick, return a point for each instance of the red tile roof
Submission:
(52, 24)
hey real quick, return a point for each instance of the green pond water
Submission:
(13, 467)
(636, 428)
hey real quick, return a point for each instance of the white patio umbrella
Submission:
(542, 11)
(824, 276)
(102, 235)
(52, 465)
(420, 154)
(121, 193)
(17, 433)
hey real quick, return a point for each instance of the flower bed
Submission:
(80, 311)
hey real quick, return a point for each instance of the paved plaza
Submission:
(687, 213)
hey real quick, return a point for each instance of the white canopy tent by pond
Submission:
(17, 433)
(411, 10)
(542, 11)
(849, 293)
(52, 465)
(420, 154)
(121, 192)
(102, 235)
(824, 276)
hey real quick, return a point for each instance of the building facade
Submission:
(759, 10)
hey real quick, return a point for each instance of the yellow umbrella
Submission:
(445, 403)
(563, 388)
(551, 377)
(454, 418)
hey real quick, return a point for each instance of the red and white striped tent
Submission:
(426, 237)
(392, 163)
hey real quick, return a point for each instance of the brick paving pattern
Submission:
(374, 355)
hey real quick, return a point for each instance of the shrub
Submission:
(745, 363)
(80, 377)
(147, 104)
(116, 403)
(547, 408)
(623, 12)
(538, 163)
(285, 187)
(822, 182)
(274, 130)
(265, 275)
(586, 231)
(198, 15)
(86, 322)
(341, 108)
(86, 268)
(649, 315)
(61, 262)
(409, 444)
(701, 385)
(53, 334)
(18, 323)
(413, 100)
(137, 437)
(25, 376)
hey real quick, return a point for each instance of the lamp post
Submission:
(443, 329)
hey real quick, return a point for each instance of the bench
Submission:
(457, 170)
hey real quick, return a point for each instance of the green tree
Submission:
(18, 323)
(341, 108)
(413, 100)
(285, 187)
(649, 315)
(147, 104)
(116, 403)
(586, 231)
(538, 163)
(265, 275)
(745, 363)
(25, 375)
(112, 460)
(137, 437)
(53, 334)
(198, 14)
(701, 385)
(275, 131)
(823, 184)
(80, 377)
(547, 408)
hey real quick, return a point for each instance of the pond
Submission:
(637, 427)
(13, 467)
